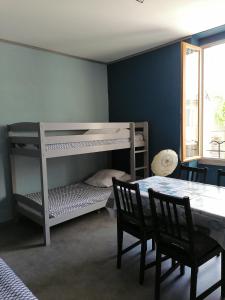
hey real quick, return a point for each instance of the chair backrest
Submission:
(172, 220)
(193, 173)
(220, 174)
(128, 202)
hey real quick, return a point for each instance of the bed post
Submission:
(12, 169)
(44, 186)
(132, 151)
(146, 153)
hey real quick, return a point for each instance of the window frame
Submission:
(184, 158)
(200, 158)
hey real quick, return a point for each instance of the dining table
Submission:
(207, 202)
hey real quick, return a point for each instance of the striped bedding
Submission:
(11, 287)
(79, 145)
(71, 197)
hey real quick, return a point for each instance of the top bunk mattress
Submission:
(79, 145)
(68, 198)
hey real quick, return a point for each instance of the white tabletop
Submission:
(203, 197)
(207, 201)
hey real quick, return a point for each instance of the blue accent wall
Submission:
(212, 173)
(147, 88)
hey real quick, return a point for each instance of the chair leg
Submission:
(182, 269)
(223, 275)
(173, 262)
(119, 247)
(194, 275)
(157, 274)
(142, 261)
(153, 245)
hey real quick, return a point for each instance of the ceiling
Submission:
(105, 30)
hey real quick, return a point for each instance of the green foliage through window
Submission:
(220, 112)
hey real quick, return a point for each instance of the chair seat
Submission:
(130, 226)
(204, 246)
(179, 239)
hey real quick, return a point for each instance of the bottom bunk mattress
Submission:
(11, 287)
(63, 200)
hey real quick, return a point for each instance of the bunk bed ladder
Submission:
(135, 151)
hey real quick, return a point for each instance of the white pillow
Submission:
(104, 177)
(126, 177)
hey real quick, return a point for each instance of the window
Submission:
(203, 102)
(214, 102)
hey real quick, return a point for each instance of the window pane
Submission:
(214, 102)
(191, 57)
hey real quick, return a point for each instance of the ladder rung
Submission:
(141, 151)
(140, 168)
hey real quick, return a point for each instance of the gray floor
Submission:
(80, 263)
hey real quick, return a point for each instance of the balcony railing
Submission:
(217, 144)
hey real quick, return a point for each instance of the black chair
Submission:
(220, 174)
(176, 237)
(131, 219)
(193, 173)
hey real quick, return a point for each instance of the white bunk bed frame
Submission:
(44, 134)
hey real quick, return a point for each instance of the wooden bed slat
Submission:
(82, 126)
(37, 218)
(24, 140)
(24, 126)
(140, 124)
(29, 202)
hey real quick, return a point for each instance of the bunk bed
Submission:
(50, 140)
